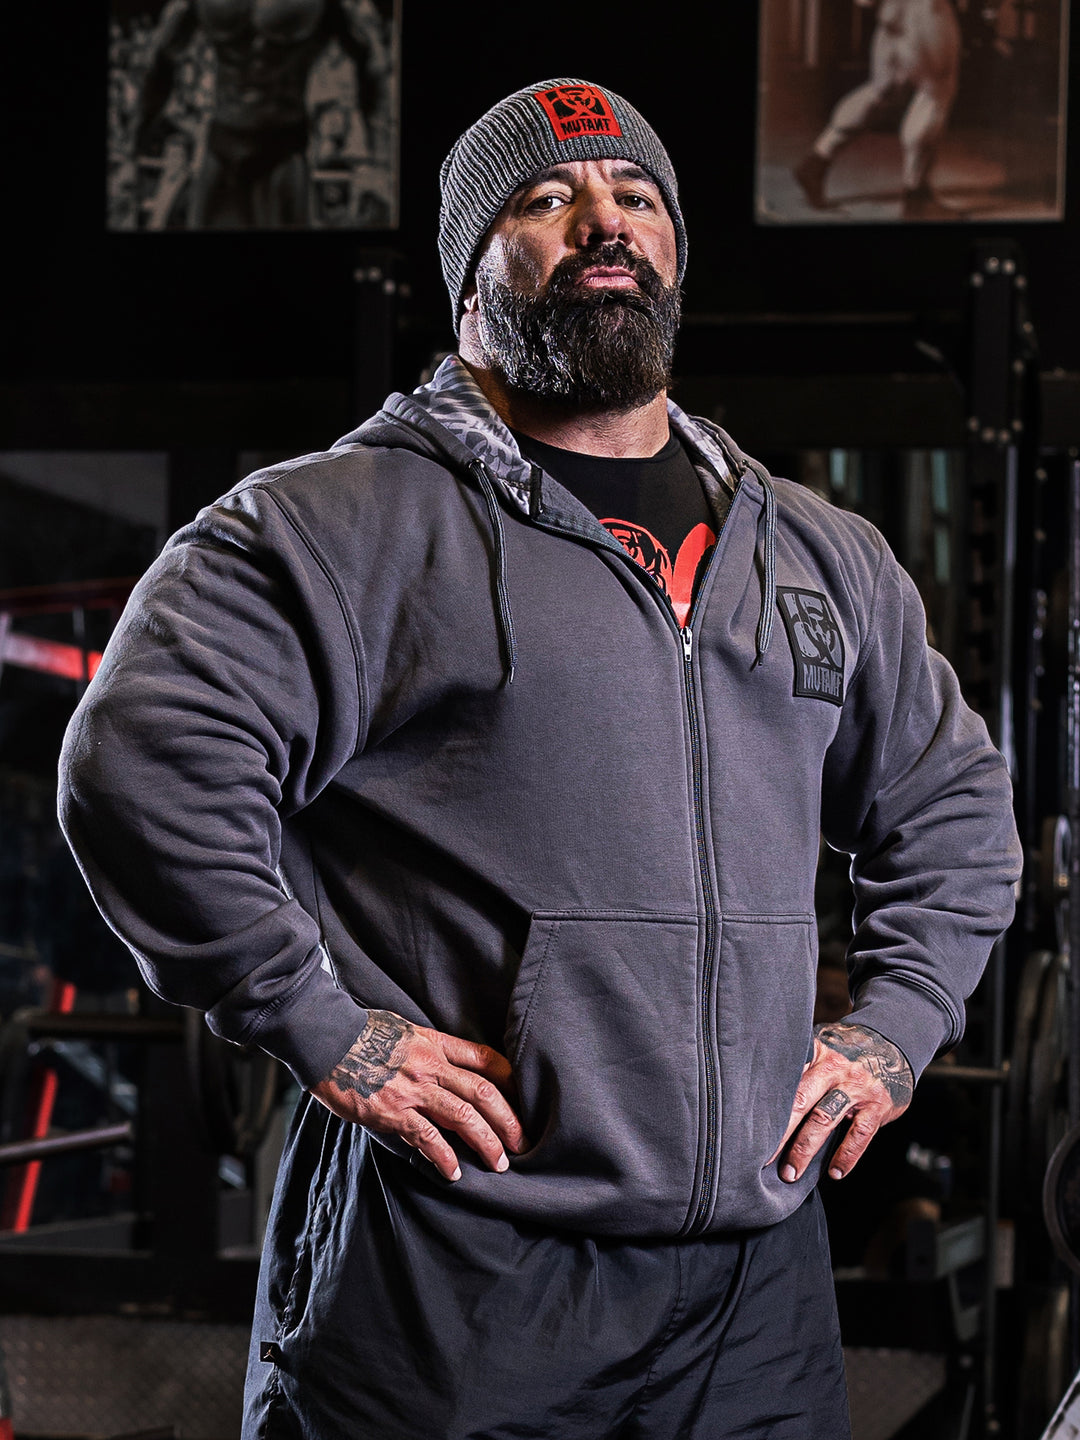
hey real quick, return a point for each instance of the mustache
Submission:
(568, 272)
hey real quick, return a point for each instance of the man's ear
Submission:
(468, 328)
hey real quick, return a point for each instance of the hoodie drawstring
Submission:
(768, 577)
(502, 594)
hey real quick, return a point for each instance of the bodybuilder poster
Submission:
(253, 116)
(911, 110)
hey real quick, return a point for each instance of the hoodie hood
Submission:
(451, 419)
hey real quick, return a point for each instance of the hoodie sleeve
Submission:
(916, 793)
(230, 694)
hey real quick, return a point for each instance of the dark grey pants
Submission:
(387, 1312)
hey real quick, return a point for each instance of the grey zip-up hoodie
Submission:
(400, 725)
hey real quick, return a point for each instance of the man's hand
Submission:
(855, 1075)
(402, 1079)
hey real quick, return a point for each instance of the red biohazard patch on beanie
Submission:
(576, 110)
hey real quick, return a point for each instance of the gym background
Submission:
(926, 375)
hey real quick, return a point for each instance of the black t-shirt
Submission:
(655, 508)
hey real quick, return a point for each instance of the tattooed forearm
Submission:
(371, 1061)
(880, 1056)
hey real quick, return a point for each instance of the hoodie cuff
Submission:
(313, 1029)
(914, 1021)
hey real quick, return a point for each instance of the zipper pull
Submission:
(687, 643)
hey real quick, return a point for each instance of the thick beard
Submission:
(603, 349)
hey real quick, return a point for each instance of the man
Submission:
(914, 58)
(253, 171)
(404, 768)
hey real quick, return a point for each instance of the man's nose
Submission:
(600, 218)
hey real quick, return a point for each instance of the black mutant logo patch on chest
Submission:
(817, 646)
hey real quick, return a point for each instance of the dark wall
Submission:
(84, 305)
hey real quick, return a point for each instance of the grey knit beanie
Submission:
(543, 125)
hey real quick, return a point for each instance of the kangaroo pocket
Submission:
(602, 1035)
(765, 1008)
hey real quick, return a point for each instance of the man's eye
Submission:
(545, 202)
(634, 201)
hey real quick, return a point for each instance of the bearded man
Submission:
(463, 768)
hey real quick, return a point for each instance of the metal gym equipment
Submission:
(233, 1089)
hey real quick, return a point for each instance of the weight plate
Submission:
(1061, 1199)
(1046, 1109)
(1028, 1004)
(1044, 1362)
(1052, 867)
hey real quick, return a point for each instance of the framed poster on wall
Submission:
(238, 115)
(911, 110)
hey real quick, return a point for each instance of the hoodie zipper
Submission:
(710, 1170)
(707, 1019)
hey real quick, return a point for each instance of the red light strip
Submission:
(22, 1186)
(50, 656)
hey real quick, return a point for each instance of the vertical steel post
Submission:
(996, 424)
(377, 290)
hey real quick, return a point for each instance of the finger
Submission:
(490, 1103)
(452, 1112)
(813, 1132)
(422, 1135)
(471, 1055)
(812, 1086)
(861, 1131)
(496, 1084)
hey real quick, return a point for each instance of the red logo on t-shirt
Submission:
(578, 110)
(676, 580)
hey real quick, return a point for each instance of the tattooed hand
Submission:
(855, 1075)
(405, 1080)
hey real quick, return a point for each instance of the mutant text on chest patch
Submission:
(578, 110)
(817, 646)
